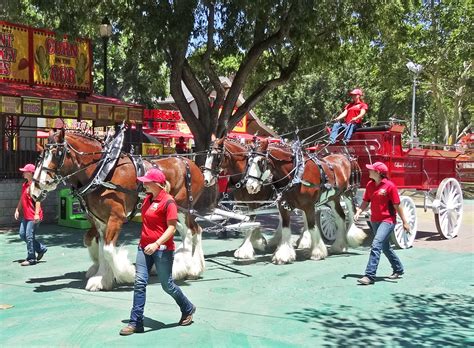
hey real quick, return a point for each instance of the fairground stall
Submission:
(46, 83)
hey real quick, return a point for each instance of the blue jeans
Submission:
(381, 243)
(27, 234)
(163, 261)
(339, 127)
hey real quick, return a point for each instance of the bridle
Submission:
(62, 150)
(218, 154)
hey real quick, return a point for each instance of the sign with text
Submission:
(14, 46)
(69, 110)
(61, 62)
(37, 56)
(89, 111)
(10, 105)
(51, 108)
(120, 114)
(31, 106)
(105, 112)
(152, 149)
(135, 115)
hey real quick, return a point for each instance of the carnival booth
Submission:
(45, 83)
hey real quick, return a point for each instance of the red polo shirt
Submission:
(28, 204)
(155, 215)
(382, 197)
(354, 109)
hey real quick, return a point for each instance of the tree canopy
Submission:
(294, 61)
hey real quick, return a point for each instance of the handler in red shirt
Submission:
(32, 216)
(159, 215)
(384, 201)
(352, 115)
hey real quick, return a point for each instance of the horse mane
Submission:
(285, 148)
(238, 143)
(86, 135)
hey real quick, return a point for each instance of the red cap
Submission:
(153, 175)
(28, 168)
(378, 167)
(356, 91)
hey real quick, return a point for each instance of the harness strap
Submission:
(140, 171)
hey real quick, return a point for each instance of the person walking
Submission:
(32, 214)
(181, 147)
(382, 194)
(156, 246)
(352, 115)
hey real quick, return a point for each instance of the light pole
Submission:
(416, 70)
(105, 31)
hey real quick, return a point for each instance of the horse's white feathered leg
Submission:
(246, 251)
(182, 256)
(304, 242)
(104, 278)
(285, 252)
(197, 265)
(318, 249)
(117, 258)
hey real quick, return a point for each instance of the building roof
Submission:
(24, 90)
(254, 124)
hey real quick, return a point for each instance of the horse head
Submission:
(225, 155)
(212, 166)
(60, 160)
(258, 171)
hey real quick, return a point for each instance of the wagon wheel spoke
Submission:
(449, 216)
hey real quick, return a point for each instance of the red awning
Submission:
(23, 90)
(41, 134)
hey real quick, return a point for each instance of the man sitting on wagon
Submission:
(352, 115)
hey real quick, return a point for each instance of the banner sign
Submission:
(40, 57)
(120, 114)
(10, 105)
(89, 111)
(51, 108)
(152, 149)
(61, 62)
(14, 62)
(105, 112)
(241, 127)
(135, 115)
(69, 110)
(31, 106)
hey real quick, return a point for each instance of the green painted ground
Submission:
(257, 305)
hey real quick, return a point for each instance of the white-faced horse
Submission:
(321, 180)
(231, 157)
(73, 158)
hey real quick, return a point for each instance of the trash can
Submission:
(70, 211)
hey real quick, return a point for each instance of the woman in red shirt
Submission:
(159, 215)
(32, 216)
(384, 201)
(352, 115)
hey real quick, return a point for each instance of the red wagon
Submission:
(434, 170)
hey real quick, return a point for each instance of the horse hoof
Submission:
(94, 284)
(245, 253)
(285, 254)
(318, 255)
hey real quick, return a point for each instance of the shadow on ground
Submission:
(420, 320)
